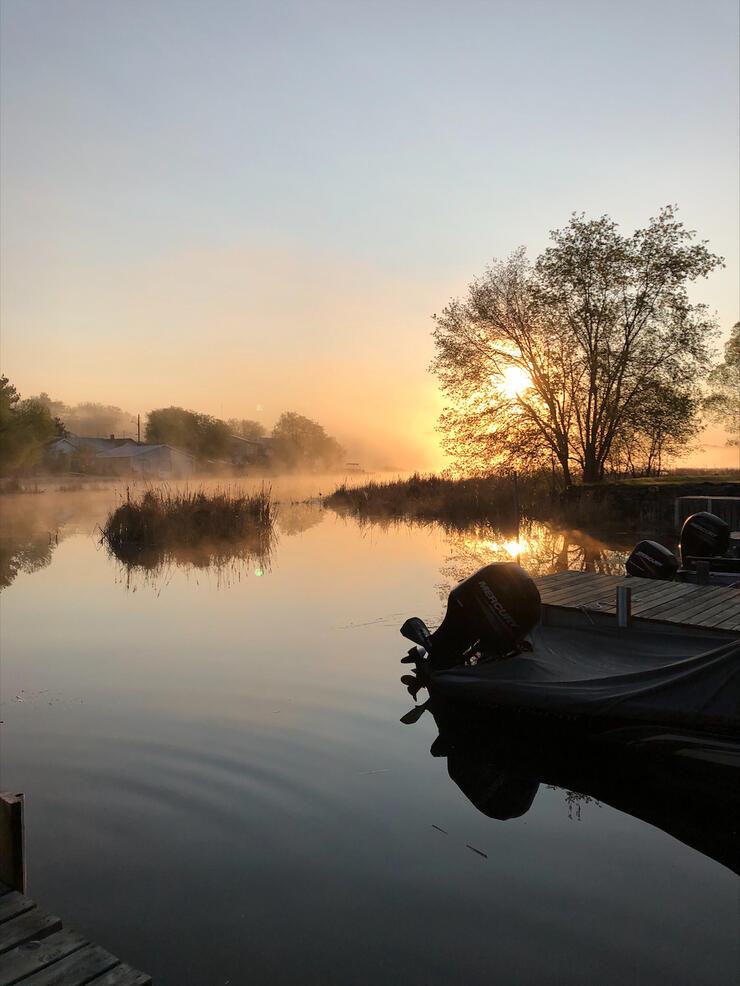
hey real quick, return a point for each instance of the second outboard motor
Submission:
(493, 610)
(703, 535)
(650, 560)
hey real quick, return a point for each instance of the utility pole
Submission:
(138, 429)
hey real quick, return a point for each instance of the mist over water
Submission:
(219, 790)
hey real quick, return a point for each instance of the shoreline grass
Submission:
(431, 498)
(455, 503)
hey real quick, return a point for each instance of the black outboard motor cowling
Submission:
(650, 560)
(492, 610)
(703, 535)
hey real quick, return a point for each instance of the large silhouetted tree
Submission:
(552, 359)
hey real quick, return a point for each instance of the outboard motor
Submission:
(650, 560)
(703, 535)
(491, 611)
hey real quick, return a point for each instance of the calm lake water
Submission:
(219, 790)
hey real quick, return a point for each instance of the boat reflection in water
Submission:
(687, 784)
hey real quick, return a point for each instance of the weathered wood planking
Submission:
(705, 607)
(36, 951)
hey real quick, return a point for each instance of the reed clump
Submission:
(172, 521)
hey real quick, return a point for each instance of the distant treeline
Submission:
(27, 426)
(295, 443)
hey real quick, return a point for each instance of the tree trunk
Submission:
(565, 466)
(593, 471)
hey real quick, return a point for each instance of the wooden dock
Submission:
(36, 951)
(589, 596)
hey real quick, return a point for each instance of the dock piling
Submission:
(12, 842)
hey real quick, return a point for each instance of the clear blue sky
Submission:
(269, 200)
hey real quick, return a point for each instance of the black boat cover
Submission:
(612, 673)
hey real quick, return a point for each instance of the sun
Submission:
(514, 380)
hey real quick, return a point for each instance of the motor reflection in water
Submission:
(687, 784)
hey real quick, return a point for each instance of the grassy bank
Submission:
(454, 503)
(682, 477)
(173, 525)
(451, 502)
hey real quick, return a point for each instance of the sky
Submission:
(246, 208)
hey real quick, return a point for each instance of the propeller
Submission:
(413, 715)
(414, 655)
(417, 631)
(412, 683)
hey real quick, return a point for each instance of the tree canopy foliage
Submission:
(570, 356)
(723, 401)
(25, 427)
(300, 443)
(89, 418)
(203, 436)
(246, 428)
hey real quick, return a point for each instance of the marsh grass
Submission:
(454, 503)
(191, 527)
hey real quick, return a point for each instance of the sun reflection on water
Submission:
(540, 549)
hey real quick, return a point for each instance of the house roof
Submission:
(129, 451)
(83, 441)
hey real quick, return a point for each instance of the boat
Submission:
(682, 782)
(493, 650)
(709, 554)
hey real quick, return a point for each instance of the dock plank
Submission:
(77, 969)
(710, 614)
(685, 608)
(683, 604)
(31, 925)
(703, 604)
(122, 975)
(36, 951)
(13, 904)
(26, 960)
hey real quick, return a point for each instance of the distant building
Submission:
(70, 444)
(161, 461)
(77, 453)
(250, 451)
(119, 457)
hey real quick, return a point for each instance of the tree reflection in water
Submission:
(31, 527)
(540, 549)
(24, 551)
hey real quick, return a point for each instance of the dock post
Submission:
(624, 605)
(701, 567)
(12, 842)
